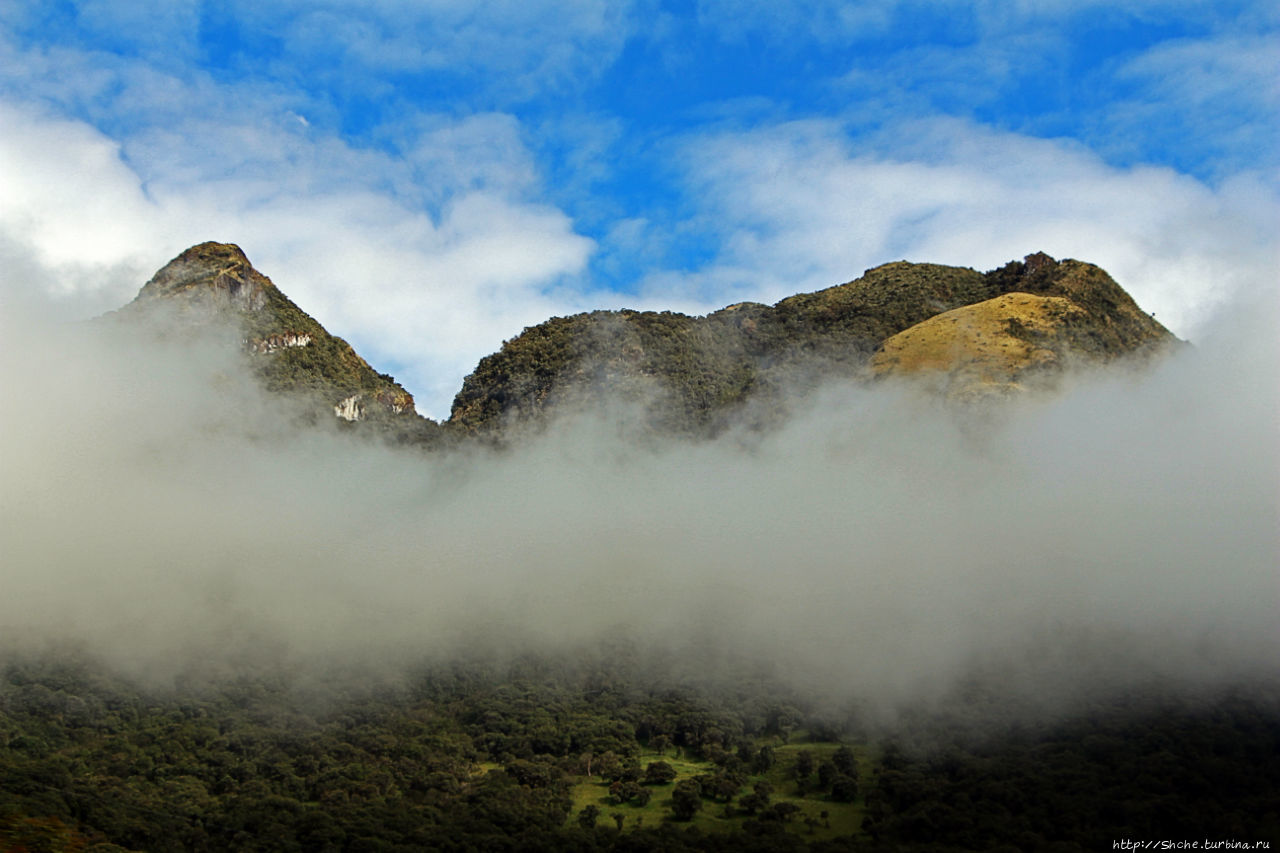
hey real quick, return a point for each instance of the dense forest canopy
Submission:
(552, 754)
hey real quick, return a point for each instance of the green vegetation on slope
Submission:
(745, 363)
(515, 756)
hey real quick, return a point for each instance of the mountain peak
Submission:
(215, 285)
(210, 275)
(967, 332)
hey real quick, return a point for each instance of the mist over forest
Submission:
(880, 545)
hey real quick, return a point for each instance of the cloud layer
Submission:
(875, 549)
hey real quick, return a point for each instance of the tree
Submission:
(608, 764)
(781, 812)
(783, 719)
(724, 787)
(624, 792)
(827, 774)
(804, 764)
(844, 789)
(588, 816)
(630, 770)
(803, 768)
(763, 760)
(844, 761)
(686, 799)
(659, 773)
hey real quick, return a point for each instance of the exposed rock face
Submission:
(214, 283)
(350, 409)
(208, 281)
(963, 331)
(271, 343)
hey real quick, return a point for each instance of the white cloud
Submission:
(156, 27)
(798, 206)
(342, 230)
(72, 204)
(826, 21)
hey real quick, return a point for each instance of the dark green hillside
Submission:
(515, 756)
(690, 369)
(845, 323)
(1149, 771)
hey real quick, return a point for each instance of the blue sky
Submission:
(427, 178)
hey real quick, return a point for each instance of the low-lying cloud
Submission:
(157, 510)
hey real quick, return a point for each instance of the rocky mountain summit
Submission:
(964, 334)
(214, 285)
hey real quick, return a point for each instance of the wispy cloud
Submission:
(803, 205)
(1218, 97)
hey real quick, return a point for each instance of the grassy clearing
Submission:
(841, 819)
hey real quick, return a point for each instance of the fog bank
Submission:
(157, 509)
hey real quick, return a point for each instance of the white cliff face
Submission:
(275, 342)
(350, 409)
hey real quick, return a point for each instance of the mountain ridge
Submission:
(965, 334)
(709, 368)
